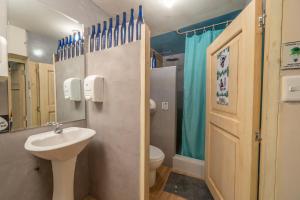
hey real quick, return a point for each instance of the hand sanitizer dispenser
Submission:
(94, 88)
(72, 89)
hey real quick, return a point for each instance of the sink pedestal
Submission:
(63, 179)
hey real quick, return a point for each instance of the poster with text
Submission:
(291, 55)
(223, 77)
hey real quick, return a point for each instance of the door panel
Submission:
(223, 152)
(34, 94)
(47, 93)
(232, 110)
(18, 96)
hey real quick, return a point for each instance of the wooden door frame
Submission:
(43, 68)
(270, 99)
(33, 107)
(144, 170)
(17, 59)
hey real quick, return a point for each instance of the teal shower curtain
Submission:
(193, 121)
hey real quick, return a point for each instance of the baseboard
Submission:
(188, 166)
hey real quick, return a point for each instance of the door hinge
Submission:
(262, 21)
(258, 137)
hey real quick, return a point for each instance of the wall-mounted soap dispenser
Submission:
(72, 89)
(94, 88)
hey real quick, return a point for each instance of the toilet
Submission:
(156, 159)
(156, 155)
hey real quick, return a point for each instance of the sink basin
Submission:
(62, 149)
(52, 146)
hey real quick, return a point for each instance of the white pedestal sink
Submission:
(62, 149)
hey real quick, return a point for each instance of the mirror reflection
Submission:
(31, 95)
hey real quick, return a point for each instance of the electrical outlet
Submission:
(165, 105)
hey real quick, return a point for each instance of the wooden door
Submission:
(17, 95)
(33, 73)
(233, 108)
(47, 93)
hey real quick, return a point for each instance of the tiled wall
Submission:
(25, 177)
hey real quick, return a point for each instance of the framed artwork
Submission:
(223, 77)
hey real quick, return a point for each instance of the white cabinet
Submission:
(3, 42)
(16, 38)
(3, 58)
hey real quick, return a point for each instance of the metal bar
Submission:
(202, 28)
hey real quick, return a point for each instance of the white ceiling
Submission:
(183, 13)
(37, 17)
(85, 11)
(51, 17)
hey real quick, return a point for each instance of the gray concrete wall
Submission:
(47, 45)
(179, 90)
(69, 110)
(25, 177)
(114, 152)
(163, 122)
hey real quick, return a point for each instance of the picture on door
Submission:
(223, 77)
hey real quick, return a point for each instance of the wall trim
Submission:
(144, 114)
(270, 103)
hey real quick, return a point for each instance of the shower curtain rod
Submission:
(203, 28)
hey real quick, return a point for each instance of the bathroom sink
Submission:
(62, 149)
(52, 146)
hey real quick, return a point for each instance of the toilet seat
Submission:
(156, 154)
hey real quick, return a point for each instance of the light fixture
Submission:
(168, 3)
(38, 52)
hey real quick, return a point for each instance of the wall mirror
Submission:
(33, 95)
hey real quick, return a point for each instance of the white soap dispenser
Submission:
(72, 89)
(94, 88)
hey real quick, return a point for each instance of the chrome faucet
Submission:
(57, 127)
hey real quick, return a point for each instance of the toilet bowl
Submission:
(156, 159)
